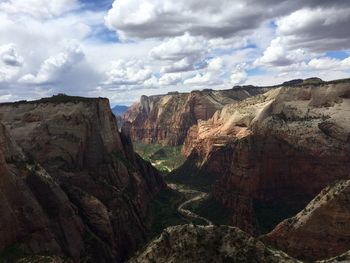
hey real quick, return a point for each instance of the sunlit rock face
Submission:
(275, 150)
(98, 189)
(166, 119)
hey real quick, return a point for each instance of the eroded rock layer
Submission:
(274, 151)
(93, 196)
(165, 119)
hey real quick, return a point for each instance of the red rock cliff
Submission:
(275, 150)
(165, 119)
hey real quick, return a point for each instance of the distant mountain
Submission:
(119, 110)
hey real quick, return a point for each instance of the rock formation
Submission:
(319, 231)
(165, 119)
(189, 243)
(274, 151)
(76, 188)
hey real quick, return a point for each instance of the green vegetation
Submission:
(212, 210)
(163, 211)
(189, 174)
(202, 182)
(164, 158)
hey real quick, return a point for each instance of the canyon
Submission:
(273, 151)
(266, 157)
(263, 177)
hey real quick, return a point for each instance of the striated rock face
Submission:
(94, 193)
(166, 119)
(189, 243)
(274, 151)
(319, 231)
(49, 224)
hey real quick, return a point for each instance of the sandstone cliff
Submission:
(274, 151)
(93, 195)
(321, 230)
(189, 243)
(165, 119)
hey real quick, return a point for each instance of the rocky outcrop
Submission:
(165, 119)
(91, 194)
(272, 153)
(319, 231)
(190, 243)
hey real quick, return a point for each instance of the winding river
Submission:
(197, 197)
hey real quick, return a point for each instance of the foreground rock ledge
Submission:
(190, 243)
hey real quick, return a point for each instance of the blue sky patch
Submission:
(337, 54)
(96, 5)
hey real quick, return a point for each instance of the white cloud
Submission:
(131, 72)
(181, 53)
(239, 75)
(325, 63)
(38, 8)
(9, 56)
(56, 67)
(164, 18)
(213, 75)
(170, 79)
(10, 63)
(277, 55)
(318, 29)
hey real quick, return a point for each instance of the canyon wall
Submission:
(86, 193)
(165, 119)
(273, 152)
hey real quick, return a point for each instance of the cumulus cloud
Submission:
(164, 18)
(9, 55)
(131, 72)
(239, 75)
(212, 19)
(10, 63)
(170, 79)
(277, 55)
(38, 8)
(213, 75)
(325, 63)
(54, 69)
(318, 29)
(183, 53)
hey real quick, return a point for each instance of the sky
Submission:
(123, 49)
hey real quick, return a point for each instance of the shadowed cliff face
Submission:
(106, 186)
(50, 224)
(165, 119)
(276, 150)
(319, 231)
